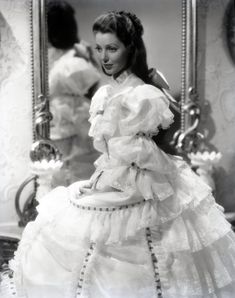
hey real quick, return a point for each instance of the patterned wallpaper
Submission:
(15, 102)
(216, 87)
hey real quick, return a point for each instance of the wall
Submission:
(15, 103)
(162, 24)
(216, 86)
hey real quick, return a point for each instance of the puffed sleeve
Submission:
(98, 102)
(103, 118)
(72, 75)
(144, 109)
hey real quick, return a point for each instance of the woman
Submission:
(73, 79)
(144, 225)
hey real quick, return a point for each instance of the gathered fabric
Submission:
(149, 226)
(70, 79)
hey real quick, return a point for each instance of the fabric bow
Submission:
(160, 81)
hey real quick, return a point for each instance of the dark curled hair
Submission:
(129, 30)
(62, 26)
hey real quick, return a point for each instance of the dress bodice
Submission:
(127, 107)
(124, 115)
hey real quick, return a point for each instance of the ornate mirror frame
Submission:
(42, 149)
(188, 102)
(185, 139)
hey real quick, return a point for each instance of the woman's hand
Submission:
(81, 187)
(85, 187)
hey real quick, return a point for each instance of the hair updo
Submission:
(129, 30)
(139, 30)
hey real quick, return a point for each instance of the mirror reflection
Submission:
(75, 74)
(73, 79)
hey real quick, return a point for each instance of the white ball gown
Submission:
(149, 227)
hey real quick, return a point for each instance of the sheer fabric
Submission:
(149, 227)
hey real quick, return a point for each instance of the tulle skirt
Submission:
(114, 244)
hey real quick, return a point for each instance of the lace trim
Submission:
(122, 77)
(154, 263)
(106, 209)
(83, 270)
(7, 286)
(146, 134)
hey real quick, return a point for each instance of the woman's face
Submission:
(112, 53)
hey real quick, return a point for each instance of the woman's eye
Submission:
(112, 49)
(98, 49)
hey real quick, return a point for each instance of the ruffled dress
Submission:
(148, 228)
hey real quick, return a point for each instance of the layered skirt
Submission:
(114, 244)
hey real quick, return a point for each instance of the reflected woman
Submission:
(144, 225)
(73, 78)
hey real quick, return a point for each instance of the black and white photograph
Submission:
(117, 148)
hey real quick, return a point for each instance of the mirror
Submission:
(69, 105)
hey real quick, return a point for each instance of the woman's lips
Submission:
(108, 66)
